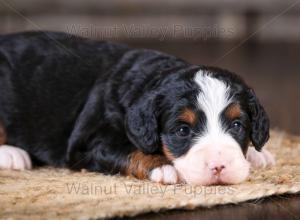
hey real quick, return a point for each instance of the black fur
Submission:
(79, 103)
(259, 121)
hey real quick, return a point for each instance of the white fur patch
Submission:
(14, 158)
(213, 99)
(214, 148)
(166, 174)
(261, 159)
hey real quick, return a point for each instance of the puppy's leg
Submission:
(154, 167)
(260, 159)
(12, 157)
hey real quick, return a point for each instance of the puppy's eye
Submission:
(183, 131)
(237, 125)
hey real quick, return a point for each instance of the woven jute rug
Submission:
(62, 194)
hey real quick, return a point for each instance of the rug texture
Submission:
(62, 194)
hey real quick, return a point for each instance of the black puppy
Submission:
(68, 101)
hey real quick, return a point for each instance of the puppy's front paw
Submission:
(260, 159)
(14, 158)
(165, 174)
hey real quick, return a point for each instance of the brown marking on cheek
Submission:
(233, 111)
(141, 164)
(245, 149)
(168, 153)
(2, 134)
(188, 116)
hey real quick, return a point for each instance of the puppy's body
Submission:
(46, 81)
(78, 103)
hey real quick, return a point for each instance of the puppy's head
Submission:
(203, 121)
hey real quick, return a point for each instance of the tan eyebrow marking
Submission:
(188, 116)
(233, 111)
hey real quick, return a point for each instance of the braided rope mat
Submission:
(62, 194)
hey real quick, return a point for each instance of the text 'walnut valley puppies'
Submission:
(72, 102)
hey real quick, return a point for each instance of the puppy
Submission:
(67, 101)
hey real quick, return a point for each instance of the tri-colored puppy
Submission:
(72, 102)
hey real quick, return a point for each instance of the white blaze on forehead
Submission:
(213, 98)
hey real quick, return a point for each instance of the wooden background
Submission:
(258, 39)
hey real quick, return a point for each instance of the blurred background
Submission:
(258, 39)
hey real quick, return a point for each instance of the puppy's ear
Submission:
(141, 124)
(259, 121)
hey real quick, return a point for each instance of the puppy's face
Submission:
(208, 136)
(205, 125)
